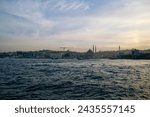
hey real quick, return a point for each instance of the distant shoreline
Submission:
(49, 54)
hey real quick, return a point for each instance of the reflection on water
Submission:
(74, 79)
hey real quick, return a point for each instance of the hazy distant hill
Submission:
(49, 54)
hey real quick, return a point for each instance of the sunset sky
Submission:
(78, 24)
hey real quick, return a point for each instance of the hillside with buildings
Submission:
(90, 54)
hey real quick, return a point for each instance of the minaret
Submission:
(119, 48)
(95, 49)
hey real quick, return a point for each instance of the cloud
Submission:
(42, 13)
(77, 22)
(65, 5)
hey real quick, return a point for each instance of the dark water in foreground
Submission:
(74, 79)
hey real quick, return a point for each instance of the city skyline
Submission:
(51, 24)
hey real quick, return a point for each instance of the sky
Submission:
(77, 24)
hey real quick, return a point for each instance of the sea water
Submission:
(98, 79)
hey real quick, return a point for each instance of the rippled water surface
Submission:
(74, 79)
